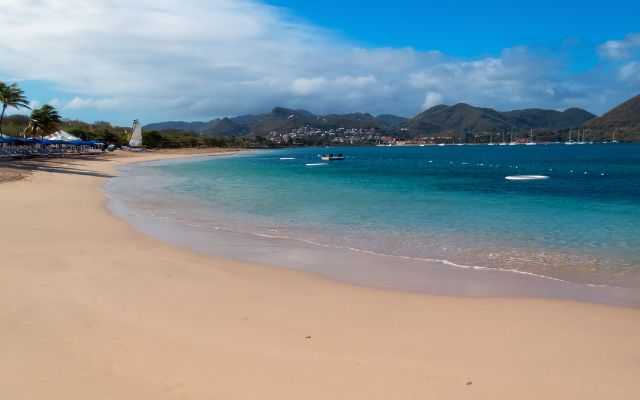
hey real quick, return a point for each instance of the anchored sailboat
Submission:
(491, 139)
(531, 142)
(581, 141)
(503, 143)
(569, 141)
(512, 143)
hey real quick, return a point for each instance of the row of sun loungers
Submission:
(29, 152)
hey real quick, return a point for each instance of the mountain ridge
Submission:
(625, 116)
(457, 119)
(463, 117)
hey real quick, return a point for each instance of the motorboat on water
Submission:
(331, 157)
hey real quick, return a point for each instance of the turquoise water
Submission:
(446, 203)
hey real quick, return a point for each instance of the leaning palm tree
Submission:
(44, 120)
(11, 96)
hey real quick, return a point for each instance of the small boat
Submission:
(136, 134)
(569, 141)
(503, 143)
(331, 157)
(531, 142)
(135, 141)
(526, 177)
(511, 142)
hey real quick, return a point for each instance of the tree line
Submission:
(46, 120)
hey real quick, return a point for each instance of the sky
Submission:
(196, 60)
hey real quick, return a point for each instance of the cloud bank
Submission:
(199, 59)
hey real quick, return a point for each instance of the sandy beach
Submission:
(92, 309)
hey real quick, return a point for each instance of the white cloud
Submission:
(630, 72)
(310, 86)
(79, 102)
(304, 86)
(199, 59)
(432, 99)
(621, 49)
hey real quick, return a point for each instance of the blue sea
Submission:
(450, 204)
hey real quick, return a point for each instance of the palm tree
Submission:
(11, 96)
(44, 120)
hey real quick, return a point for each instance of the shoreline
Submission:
(96, 309)
(360, 267)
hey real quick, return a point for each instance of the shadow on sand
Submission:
(63, 165)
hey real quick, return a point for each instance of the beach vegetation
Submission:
(110, 136)
(11, 96)
(43, 121)
(151, 139)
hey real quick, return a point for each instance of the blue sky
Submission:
(471, 28)
(159, 60)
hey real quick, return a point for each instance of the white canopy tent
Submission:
(62, 135)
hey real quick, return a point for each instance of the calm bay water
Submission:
(446, 203)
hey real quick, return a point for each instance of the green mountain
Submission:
(177, 125)
(624, 119)
(353, 120)
(458, 118)
(281, 120)
(466, 118)
(391, 120)
(551, 119)
(440, 119)
(223, 127)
